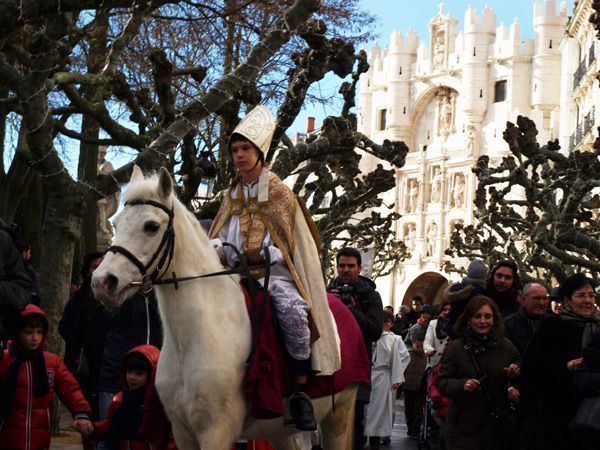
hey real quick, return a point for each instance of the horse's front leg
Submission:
(184, 438)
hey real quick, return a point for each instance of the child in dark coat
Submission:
(29, 377)
(414, 394)
(136, 419)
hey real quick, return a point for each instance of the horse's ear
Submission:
(137, 174)
(165, 183)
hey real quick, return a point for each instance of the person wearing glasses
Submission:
(533, 304)
(551, 359)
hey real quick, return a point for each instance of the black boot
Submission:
(302, 412)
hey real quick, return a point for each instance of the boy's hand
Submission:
(84, 426)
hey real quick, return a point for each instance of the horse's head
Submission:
(143, 236)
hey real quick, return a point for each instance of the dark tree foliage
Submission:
(535, 207)
(166, 81)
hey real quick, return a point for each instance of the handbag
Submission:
(587, 416)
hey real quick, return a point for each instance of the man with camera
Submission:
(359, 294)
(15, 285)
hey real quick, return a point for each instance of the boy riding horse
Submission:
(260, 213)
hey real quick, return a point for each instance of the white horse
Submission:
(205, 324)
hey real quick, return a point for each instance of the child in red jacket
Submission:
(29, 377)
(135, 418)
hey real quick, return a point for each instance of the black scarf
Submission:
(442, 328)
(485, 340)
(9, 384)
(127, 421)
(590, 325)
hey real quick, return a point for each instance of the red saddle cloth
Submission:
(267, 380)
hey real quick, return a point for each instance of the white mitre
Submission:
(258, 127)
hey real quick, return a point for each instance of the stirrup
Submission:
(302, 412)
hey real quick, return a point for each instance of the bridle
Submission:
(165, 251)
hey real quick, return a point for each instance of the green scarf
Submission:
(590, 325)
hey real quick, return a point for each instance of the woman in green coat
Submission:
(476, 374)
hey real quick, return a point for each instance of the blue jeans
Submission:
(104, 401)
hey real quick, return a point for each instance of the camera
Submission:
(346, 292)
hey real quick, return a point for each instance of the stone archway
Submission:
(429, 286)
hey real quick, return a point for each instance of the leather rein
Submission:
(164, 255)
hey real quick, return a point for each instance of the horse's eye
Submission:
(151, 227)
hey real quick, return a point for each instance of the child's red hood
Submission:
(149, 352)
(33, 310)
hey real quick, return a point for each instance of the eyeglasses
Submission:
(538, 298)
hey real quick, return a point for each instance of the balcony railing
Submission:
(588, 121)
(582, 129)
(579, 73)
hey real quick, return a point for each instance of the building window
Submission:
(500, 91)
(382, 119)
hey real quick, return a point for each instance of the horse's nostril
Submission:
(111, 282)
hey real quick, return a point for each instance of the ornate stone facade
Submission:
(449, 102)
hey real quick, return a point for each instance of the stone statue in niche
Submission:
(431, 238)
(470, 139)
(439, 49)
(413, 195)
(458, 193)
(446, 115)
(436, 185)
(410, 237)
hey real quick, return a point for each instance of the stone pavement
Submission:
(70, 440)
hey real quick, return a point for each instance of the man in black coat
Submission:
(520, 328)
(83, 326)
(359, 294)
(15, 285)
(503, 286)
(521, 325)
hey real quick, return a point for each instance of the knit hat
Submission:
(476, 274)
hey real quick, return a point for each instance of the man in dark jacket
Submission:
(503, 286)
(521, 325)
(519, 328)
(83, 326)
(359, 294)
(15, 285)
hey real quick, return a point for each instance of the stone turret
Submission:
(479, 33)
(367, 87)
(549, 26)
(401, 55)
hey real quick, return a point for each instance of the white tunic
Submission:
(390, 358)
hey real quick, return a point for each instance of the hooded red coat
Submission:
(28, 427)
(155, 431)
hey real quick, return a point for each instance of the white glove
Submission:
(218, 246)
(275, 254)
